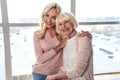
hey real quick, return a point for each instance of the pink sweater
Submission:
(48, 61)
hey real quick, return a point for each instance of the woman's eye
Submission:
(60, 24)
(54, 17)
(47, 15)
(66, 21)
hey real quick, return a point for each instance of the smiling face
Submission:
(65, 24)
(50, 17)
(65, 27)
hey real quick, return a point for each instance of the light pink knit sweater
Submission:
(48, 61)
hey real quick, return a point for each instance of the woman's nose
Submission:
(64, 26)
(49, 19)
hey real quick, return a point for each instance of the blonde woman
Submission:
(77, 53)
(48, 59)
(47, 47)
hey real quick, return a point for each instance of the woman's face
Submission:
(50, 18)
(66, 28)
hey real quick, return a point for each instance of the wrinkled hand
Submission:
(63, 41)
(50, 77)
(86, 33)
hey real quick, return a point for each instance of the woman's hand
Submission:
(51, 77)
(63, 41)
(86, 33)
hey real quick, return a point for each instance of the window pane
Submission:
(106, 38)
(106, 46)
(22, 51)
(27, 11)
(2, 56)
(97, 10)
(0, 14)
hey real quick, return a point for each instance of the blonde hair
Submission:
(65, 16)
(45, 11)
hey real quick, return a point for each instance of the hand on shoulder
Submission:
(85, 33)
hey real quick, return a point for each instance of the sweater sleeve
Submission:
(41, 56)
(84, 50)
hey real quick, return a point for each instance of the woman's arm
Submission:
(82, 59)
(41, 56)
(84, 49)
(61, 44)
(58, 76)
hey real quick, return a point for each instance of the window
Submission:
(29, 11)
(22, 54)
(2, 56)
(106, 42)
(101, 18)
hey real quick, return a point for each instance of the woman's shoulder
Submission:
(37, 32)
(82, 40)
